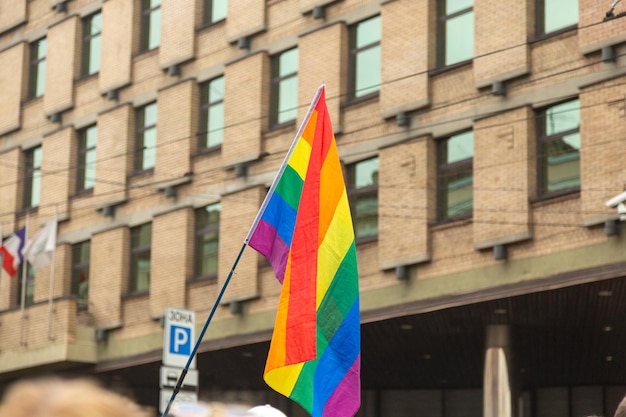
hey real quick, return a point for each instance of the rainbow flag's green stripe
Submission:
(306, 232)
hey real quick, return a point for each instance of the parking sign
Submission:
(178, 337)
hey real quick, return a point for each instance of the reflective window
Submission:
(81, 253)
(211, 132)
(214, 11)
(146, 137)
(284, 107)
(92, 30)
(86, 166)
(362, 187)
(365, 60)
(29, 284)
(559, 147)
(150, 24)
(32, 177)
(140, 249)
(37, 73)
(456, 31)
(556, 14)
(455, 176)
(207, 241)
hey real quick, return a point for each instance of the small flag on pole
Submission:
(40, 249)
(12, 252)
(304, 228)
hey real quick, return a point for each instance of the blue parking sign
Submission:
(180, 340)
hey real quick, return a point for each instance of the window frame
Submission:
(277, 81)
(206, 105)
(444, 171)
(83, 151)
(88, 39)
(137, 253)
(353, 69)
(200, 232)
(208, 10)
(139, 161)
(32, 177)
(80, 266)
(544, 138)
(442, 20)
(540, 14)
(146, 28)
(37, 68)
(357, 193)
(29, 285)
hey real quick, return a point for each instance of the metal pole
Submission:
(181, 378)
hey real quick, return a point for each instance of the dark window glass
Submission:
(146, 137)
(207, 241)
(140, 248)
(214, 11)
(455, 177)
(456, 31)
(86, 167)
(150, 24)
(556, 14)
(559, 147)
(365, 59)
(363, 194)
(80, 272)
(32, 177)
(92, 30)
(284, 107)
(37, 73)
(29, 284)
(211, 132)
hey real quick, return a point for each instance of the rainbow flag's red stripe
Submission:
(305, 229)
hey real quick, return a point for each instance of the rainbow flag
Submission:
(304, 228)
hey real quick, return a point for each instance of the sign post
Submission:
(178, 339)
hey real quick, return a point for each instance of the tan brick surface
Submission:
(177, 33)
(59, 158)
(117, 46)
(61, 65)
(245, 17)
(12, 83)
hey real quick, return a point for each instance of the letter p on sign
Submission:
(180, 340)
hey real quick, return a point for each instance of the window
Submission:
(146, 137)
(365, 57)
(284, 108)
(363, 194)
(454, 176)
(140, 247)
(86, 167)
(455, 26)
(556, 14)
(558, 148)
(80, 272)
(32, 177)
(150, 25)
(214, 11)
(37, 72)
(29, 284)
(211, 132)
(92, 29)
(207, 240)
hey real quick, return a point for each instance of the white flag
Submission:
(39, 251)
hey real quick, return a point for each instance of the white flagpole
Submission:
(23, 294)
(51, 293)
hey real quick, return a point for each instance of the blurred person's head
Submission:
(621, 409)
(55, 397)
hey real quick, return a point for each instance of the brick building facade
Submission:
(480, 140)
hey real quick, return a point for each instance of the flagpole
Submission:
(183, 373)
(280, 171)
(23, 293)
(52, 269)
(181, 378)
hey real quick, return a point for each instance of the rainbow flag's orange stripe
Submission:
(305, 229)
